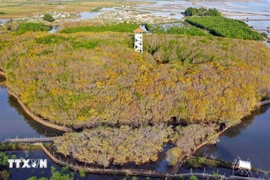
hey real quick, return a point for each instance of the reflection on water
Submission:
(54, 29)
(88, 15)
(14, 122)
(248, 140)
(25, 173)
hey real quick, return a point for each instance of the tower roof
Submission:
(138, 30)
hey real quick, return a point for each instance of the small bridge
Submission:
(30, 140)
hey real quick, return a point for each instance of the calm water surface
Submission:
(14, 122)
(248, 140)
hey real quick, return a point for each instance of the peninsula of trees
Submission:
(94, 81)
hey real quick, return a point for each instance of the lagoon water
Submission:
(14, 122)
(248, 140)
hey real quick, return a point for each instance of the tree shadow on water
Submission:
(39, 128)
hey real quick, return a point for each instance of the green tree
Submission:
(25, 27)
(82, 173)
(3, 159)
(212, 12)
(48, 17)
(215, 175)
(173, 155)
(53, 169)
(201, 160)
(33, 178)
(58, 176)
(193, 178)
(64, 170)
(264, 34)
(13, 156)
(202, 11)
(181, 176)
(191, 11)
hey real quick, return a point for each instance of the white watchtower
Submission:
(138, 43)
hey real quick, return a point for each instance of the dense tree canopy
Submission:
(105, 145)
(90, 79)
(225, 27)
(24, 27)
(96, 80)
(201, 12)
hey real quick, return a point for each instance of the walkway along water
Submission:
(259, 104)
(39, 119)
(35, 117)
(182, 160)
(30, 140)
(134, 172)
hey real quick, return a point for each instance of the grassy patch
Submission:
(97, 9)
(51, 39)
(86, 44)
(123, 27)
(24, 27)
(191, 31)
(224, 27)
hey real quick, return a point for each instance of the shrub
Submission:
(5, 175)
(264, 34)
(51, 39)
(173, 155)
(193, 178)
(24, 27)
(97, 9)
(86, 44)
(82, 173)
(48, 17)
